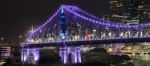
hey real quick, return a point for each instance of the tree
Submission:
(9, 61)
(118, 59)
(48, 57)
(125, 57)
(97, 55)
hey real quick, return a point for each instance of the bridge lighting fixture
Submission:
(91, 18)
(94, 30)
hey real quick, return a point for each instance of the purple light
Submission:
(94, 19)
(25, 54)
(62, 9)
(91, 14)
(64, 55)
(43, 25)
(75, 54)
(87, 19)
(107, 23)
(35, 52)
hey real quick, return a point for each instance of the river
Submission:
(141, 60)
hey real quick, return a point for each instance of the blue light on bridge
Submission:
(62, 35)
(115, 33)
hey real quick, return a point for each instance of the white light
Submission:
(94, 30)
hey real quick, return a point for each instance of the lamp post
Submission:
(2, 38)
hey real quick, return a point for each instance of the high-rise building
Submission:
(131, 11)
(116, 7)
(126, 11)
(145, 15)
(5, 53)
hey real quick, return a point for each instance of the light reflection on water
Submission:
(140, 60)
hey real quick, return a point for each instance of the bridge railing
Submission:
(103, 36)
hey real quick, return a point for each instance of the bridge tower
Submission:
(30, 55)
(71, 54)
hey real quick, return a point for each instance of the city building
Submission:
(145, 15)
(116, 7)
(5, 53)
(126, 11)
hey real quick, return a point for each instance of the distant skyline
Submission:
(17, 16)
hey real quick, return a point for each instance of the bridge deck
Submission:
(77, 43)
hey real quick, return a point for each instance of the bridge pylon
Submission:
(68, 54)
(30, 55)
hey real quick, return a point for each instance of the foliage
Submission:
(125, 57)
(117, 59)
(48, 57)
(97, 55)
(16, 52)
(101, 55)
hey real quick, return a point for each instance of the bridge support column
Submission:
(30, 55)
(63, 54)
(78, 54)
(70, 55)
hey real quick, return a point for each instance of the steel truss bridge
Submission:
(69, 27)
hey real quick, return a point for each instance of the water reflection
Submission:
(141, 60)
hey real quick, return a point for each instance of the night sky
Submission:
(17, 16)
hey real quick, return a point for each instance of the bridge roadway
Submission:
(86, 42)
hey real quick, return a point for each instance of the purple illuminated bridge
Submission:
(81, 28)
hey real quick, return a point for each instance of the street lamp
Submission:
(2, 39)
(20, 36)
